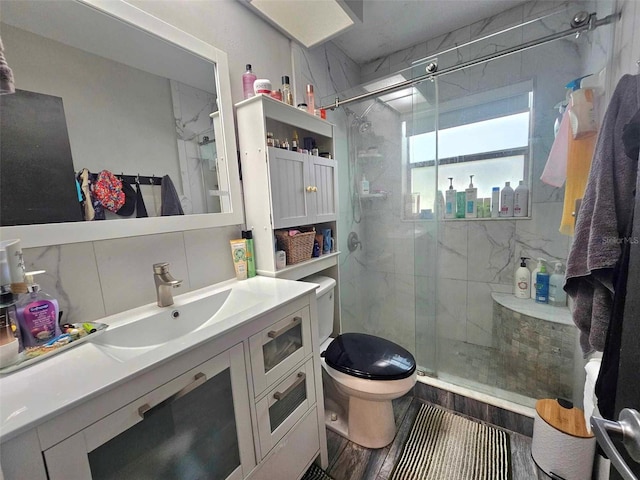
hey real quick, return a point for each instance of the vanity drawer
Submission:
(279, 348)
(284, 405)
(291, 457)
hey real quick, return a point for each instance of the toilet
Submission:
(361, 375)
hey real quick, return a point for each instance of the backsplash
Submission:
(93, 279)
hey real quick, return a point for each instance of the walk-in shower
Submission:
(442, 288)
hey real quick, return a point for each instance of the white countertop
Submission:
(39, 392)
(528, 306)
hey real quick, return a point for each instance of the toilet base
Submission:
(356, 425)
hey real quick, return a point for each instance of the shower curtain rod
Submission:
(581, 22)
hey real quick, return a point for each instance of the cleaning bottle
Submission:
(450, 204)
(522, 287)
(506, 200)
(37, 314)
(521, 200)
(557, 295)
(247, 82)
(471, 194)
(542, 285)
(534, 274)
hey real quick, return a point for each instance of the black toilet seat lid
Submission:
(370, 357)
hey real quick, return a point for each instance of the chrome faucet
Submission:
(164, 284)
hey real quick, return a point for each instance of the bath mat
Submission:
(315, 473)
(442, 445)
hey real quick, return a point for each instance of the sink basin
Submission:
(168, 324)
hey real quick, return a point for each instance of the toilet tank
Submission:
(324, 296)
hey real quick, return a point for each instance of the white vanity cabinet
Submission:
(284, 188)
(245, 404)
(195, 426)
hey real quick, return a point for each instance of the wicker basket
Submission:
(298, 247)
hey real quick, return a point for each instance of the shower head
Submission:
(365, 125)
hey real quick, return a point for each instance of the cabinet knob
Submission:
(315, 189)
(311, 188)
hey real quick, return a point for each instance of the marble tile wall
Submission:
(330, 71)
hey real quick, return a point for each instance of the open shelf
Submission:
(304, 269)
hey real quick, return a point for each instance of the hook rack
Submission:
(133, 179)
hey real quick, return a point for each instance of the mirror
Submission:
(137, 97)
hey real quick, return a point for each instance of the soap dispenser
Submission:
(557, 295)
(37, 314)
(450, 203)
(471, 193)
(522, 287)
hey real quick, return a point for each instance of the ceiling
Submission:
(392, 25)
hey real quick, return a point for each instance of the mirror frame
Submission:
(40, 235)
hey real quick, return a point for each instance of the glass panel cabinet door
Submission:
(192, 433)
(278, 349)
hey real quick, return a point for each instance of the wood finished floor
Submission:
(348, 461)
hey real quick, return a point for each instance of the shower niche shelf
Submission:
(370, 196)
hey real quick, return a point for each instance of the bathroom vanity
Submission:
(223, 384)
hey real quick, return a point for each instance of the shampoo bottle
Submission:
(471, 210)
(450, 204)
(557, 295)
(542, 285)
(506, 200)
(534, 277)
(495, 202)
(37, 315)
(522, 287)
(247, 82)
(521, 200)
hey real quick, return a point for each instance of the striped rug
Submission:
(444, 446)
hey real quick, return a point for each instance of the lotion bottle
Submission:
(247, 82)
(450, 204)
(522, 287)
(521, 200)
(506, 200)
(557, 295)
(534, 278)
(471, 193)
(37, 314)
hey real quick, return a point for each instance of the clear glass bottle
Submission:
(247, 82)
(287, 96)
(311, 103)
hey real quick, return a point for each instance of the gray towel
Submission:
(602, 220)
(170, 201)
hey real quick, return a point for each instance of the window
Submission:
(486, 138)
